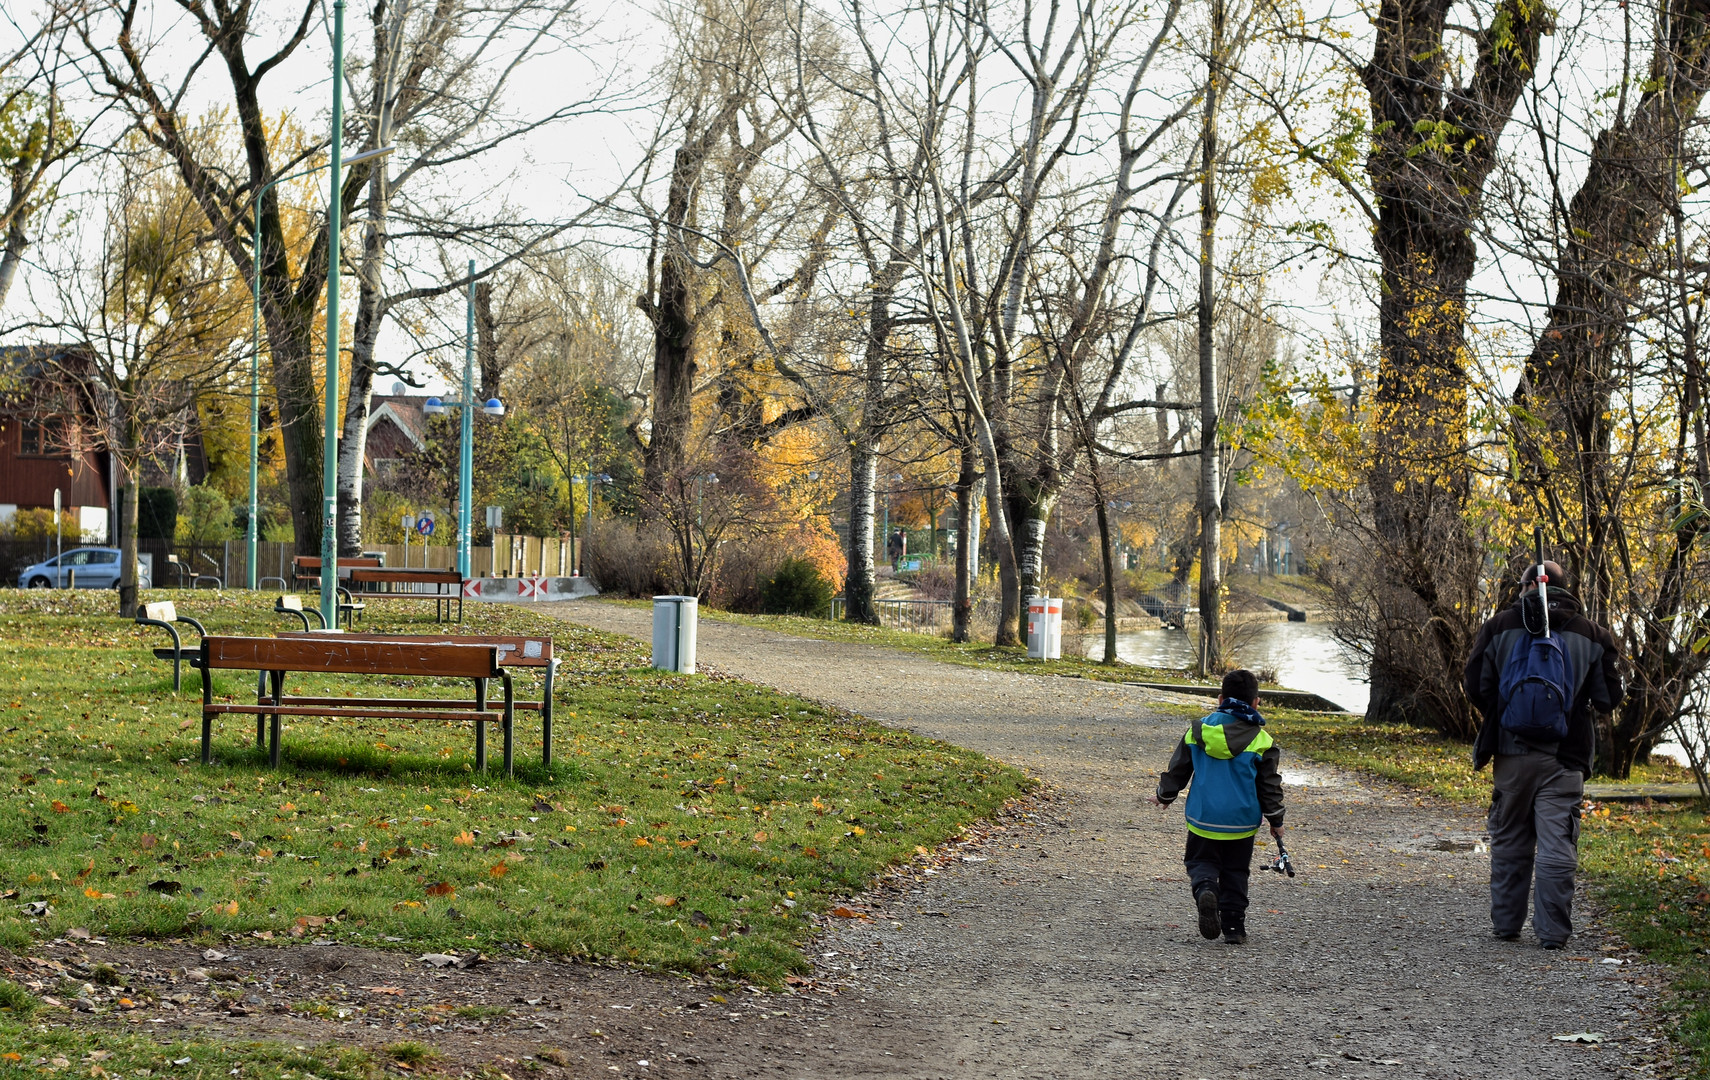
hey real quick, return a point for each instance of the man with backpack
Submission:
(1537, 671)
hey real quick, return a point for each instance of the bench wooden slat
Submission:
(384, 575)
(342, 655)
(514, 650)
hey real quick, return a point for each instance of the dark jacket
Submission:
(1590, 650)
(1232, 761)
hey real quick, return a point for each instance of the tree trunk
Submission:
(967, 536)
(130, 502)
(1210, 479)
(12, 257)
(858, 586)
(358, 404)
(1428, 189)
(487, 340)
(1107, 557)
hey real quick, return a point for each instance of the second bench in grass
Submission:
(330, 655)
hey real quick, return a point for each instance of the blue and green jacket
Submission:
(1232, 761)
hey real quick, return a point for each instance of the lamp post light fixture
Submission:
(250, 529)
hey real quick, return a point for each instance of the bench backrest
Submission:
(514, 651)
(344, 656)
(313, 562)
(289, 602)
(387, 574)
(163, 611)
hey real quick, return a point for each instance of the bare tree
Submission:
(157, 321)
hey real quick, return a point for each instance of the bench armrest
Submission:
(177, 642)
(201, 632)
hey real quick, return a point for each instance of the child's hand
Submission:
(1155, 801)
(1276, 831)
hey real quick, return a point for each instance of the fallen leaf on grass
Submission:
(394, 991)
(443, 888)
(761, 837)
(499, 870)
(467, 839)
(847, 913)
(185, 725)
(79, 933)
(147, 840)
(60, 808)
(165, 886)
(438, 960)
(665, 901)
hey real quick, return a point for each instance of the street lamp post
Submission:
(250, 529)
(466, 422)
(329, 444)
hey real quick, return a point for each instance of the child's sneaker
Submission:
(1235, 934)
(1210, 926)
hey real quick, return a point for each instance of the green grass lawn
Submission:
(1649, 863)
(687, 823)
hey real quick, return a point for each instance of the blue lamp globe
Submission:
(494, 407)
(432, 406)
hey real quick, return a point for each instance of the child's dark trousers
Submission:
(1224, 865)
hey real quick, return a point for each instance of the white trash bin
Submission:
(1053, 628)
(674, 633)
(1036, 628)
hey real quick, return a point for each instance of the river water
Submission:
(1305, 656)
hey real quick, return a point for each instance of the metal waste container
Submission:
(674, 633)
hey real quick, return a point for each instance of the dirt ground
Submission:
(1060, 943)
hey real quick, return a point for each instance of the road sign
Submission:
(495, 518)
(424, 524)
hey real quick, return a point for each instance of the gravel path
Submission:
(1067, 947)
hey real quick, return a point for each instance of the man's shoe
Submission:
(1553, 945)
(1210, 926)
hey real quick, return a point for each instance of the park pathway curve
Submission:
(1069, 949)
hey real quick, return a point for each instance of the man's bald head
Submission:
(1558, 576)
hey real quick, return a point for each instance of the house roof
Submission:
(404, 411)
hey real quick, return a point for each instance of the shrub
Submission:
(206, 517)
(629, 560)
(796, 588)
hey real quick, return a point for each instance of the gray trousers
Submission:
(1534, 825)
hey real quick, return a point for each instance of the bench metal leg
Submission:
(510, 717)
(481, 725)
(278, 721)
(261, 718)
(546, 714)
(207, 717)
(177, 658)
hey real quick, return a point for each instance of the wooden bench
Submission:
(514, 652)
(306, 571)
(340, 655)
(444, 587)
(163, 615)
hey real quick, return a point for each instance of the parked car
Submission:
(90, 568)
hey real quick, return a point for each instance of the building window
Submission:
(42, 438)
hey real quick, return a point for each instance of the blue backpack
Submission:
(1536, 689)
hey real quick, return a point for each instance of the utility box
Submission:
(674, 633)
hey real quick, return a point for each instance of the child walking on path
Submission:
(1232, 761)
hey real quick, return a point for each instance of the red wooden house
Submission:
(42, 450)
